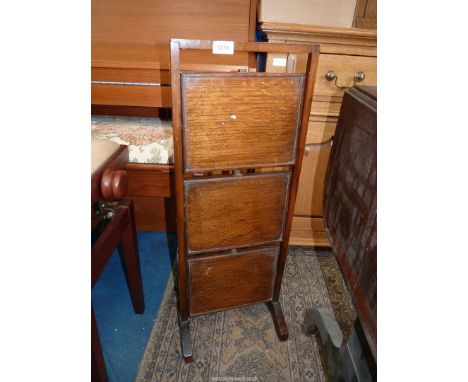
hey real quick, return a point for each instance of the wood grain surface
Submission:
(309, 201)
(307, 231)
(150, 21)
(333, 40)
(226, 126)
(228, 212)
(145, 96)
(231, 280)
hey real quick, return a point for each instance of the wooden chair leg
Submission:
(98, 367)
(278, 320)
(131, 260)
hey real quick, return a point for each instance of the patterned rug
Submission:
(241, 344)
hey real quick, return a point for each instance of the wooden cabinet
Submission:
(130, 45)
(346, 51)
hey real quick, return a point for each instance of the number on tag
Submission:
(223, 47)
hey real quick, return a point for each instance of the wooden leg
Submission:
(185, 340)
(131, 260)
(98, 367)
(278, 320)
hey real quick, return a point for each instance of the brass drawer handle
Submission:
(358, 77)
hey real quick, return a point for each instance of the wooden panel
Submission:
(154, 213)
(233, 211)
(348, 41)
(231, 280)
(149, 186)
(308, 232)
(309, 201)
(146, 96)
(148, 182)
(150, 21)
(329, 108)
(125, 111)
(227, 127)
(131, 75)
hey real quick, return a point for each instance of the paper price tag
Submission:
(279, 61)
(223, 47)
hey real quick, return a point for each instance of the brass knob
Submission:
(330, 75)
(360, 76)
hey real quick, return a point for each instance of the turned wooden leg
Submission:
(185, 341)
(98, 367)
(278, 320)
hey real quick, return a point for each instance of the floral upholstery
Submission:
(149, 140)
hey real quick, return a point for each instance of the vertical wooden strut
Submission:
(182, 284)
(311, 71)
(234, 222)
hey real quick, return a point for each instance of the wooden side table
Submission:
(113, 219)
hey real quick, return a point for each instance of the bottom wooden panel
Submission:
(231, 279)
(308, 232)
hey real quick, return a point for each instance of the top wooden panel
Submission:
(240, 120)
(157, 21)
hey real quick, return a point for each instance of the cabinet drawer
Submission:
(226, 127)
(129, 95)
(230, 280)
(228, 212)
(345, 67)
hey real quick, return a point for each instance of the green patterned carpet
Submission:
(241, 344)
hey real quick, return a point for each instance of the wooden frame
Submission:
(312, 50)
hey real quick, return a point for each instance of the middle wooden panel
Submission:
(235, 211)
